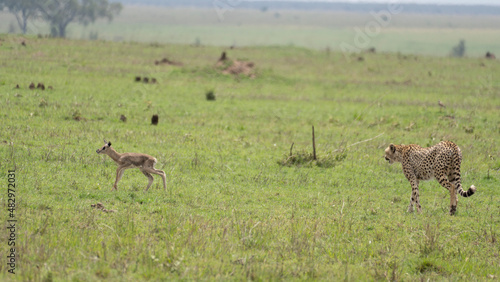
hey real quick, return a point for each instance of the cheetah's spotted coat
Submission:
(441, 161)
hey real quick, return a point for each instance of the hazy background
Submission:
(420, 27)
(448, 2)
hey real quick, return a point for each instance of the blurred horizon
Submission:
(438, 2)
(237, 3)
(425, 29)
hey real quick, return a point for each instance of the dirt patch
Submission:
(166, 61)
(407, 82)
(77, 116)
(100, 206)
(240, 67)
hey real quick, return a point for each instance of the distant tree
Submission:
(459, 50)
(23, 10)
(60, 13)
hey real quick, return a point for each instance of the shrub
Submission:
(459, 50)
(210, 95)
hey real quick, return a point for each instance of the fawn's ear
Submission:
(109, 143)
(393, 148)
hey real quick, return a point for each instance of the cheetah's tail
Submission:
(467, 193)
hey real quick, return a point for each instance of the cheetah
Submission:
(441, 161)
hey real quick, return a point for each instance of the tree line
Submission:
(60, 13)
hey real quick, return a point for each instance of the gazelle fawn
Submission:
(143, 162)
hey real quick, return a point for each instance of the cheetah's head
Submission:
(392, 154)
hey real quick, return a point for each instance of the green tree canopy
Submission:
(60, 13)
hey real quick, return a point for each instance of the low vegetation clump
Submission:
(308, 159)
(210, 95)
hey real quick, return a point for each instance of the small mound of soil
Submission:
(240, 67)
(235, 67)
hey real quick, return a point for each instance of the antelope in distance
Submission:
(143, 162)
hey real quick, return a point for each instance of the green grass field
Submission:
(231, 212)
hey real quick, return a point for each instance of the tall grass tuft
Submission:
(306, 159)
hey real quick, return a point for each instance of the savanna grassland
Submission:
(231, 210)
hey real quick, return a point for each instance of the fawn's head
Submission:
(103, 149)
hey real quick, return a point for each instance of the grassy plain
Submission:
(407, 33)
(230, 211)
